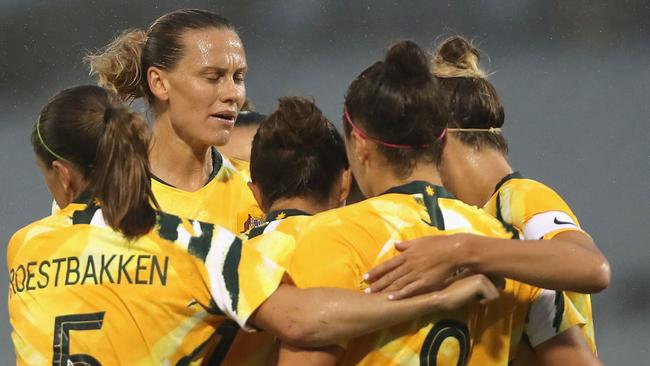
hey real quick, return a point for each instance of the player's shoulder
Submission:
(360, 213)
(47, 225)
(459, 215)
(522, 186)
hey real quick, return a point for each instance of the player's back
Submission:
(81, 292)
(337, 247)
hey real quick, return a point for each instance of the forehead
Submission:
(213, 47)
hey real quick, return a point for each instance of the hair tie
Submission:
(108, 114)
(490, 130)
(40, 138)
(363, 134)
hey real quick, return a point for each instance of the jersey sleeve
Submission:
(536, 210)
(238, 278)
(550, 313)
(324, 258)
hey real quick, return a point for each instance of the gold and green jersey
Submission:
(335, 248)
(255, 349)
(80, 293)
(532, 210)
(225, 200)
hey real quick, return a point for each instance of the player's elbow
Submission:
(602, 276)
(302, 333)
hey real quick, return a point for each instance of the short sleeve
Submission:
(239, 277)
(550, 314)
(535, 210)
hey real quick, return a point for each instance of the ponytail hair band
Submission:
(365, 135)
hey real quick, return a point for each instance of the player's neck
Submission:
(175, 161)
(298, 203)
(481, 170)
(386, 179)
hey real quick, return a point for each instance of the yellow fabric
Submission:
(337, 247)
(520, 200)
(255, 349)
(152, 301)
(226, 200)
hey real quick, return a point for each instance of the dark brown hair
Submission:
(89, 127)
(297, 152)
(122, 65)
(472, 99)
(396, 101)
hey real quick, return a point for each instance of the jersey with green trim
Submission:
(534, 211)
(255, 349)
(80, 293)
(335, 248)
(225, 200)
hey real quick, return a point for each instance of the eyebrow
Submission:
(221, 70)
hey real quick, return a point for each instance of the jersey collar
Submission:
(283, 214)
(422, 187)
(513, 175)
(217, 163)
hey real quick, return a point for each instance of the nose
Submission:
(232, 92)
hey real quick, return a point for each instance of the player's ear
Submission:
(346, 182)
(257, 193)
(361, 148)
(69, 179)
(158, 83)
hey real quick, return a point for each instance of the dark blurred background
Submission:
(574, 78)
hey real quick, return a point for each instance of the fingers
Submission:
(390, 279)
(412, 289)
(487, 290)
(378, 272)
(403, 245)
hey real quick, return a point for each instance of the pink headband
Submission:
(363, 134)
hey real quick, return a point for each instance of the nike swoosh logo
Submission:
(558, 222)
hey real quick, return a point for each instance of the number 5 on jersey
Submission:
(62, 326)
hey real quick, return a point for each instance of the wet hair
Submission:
(122, 65)
(107, 143)
(396, 102)
(297, 152)
(472, 99)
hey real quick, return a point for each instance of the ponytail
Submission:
(107, 143)
(122, 179)
(118, 67)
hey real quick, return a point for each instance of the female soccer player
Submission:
(394, 125)
(299, 168)
(110, 280)
(475, 169)
(190, 67)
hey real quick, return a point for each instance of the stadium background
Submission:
(574, 77)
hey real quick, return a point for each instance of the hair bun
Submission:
(303, 122)
(406, 63)
(456, 57)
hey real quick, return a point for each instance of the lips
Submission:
(227, 117)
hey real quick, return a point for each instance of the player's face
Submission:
(206, 89)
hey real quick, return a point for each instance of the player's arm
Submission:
(553, 332)
(567, 259)
(321, 316)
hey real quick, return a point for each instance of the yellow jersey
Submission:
(225, 200)
(532, 210)
(335, 248)
(81, 293)
(255, 349)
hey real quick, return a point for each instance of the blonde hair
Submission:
(455, 57)
(122, 65)
(118, 66)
